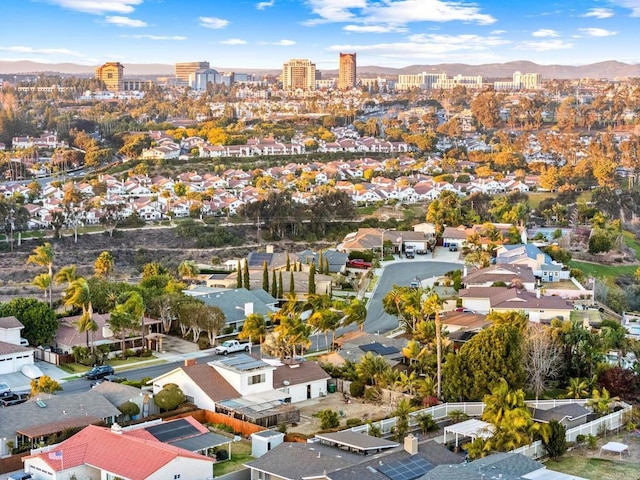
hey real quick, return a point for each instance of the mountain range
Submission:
(611, 69)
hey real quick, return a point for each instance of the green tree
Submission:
(599, 243)
(39, 320)
(246, 280)
(402, 411)
(188, 269)
(292, 284)
(254, 327)
(274, 284)
(328, 419)
(312, 280)
(265, 277)
(43, 282)
(66, 274)
(238, 275)
(104, 264)
(280, 293)
(129, 409)
(370, 368)
(601, 401)
(43, 256)
(556, 445)
(577, 388)
(170, 397)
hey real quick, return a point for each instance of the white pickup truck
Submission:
(231, 346)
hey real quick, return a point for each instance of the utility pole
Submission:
(258, 232)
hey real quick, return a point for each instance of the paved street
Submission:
(402, 273)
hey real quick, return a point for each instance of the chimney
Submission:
(190, 361)
(537, 293)
(464, 272)
(117, 429)
(269, 248)
(248, 309)
(411, 444)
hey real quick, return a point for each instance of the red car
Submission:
(358, 263)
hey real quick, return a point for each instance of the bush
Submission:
(203, 343)
(353, 422)
(222, 427)
(372, 395)
(592, 442)
(580, 439)
(169, 397)
(128, 353)
(227, 330)
(356, 389)
(328, 419)
(129, 409)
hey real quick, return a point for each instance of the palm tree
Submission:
(355, 312)
(43, 282)
(370, 368)
(43, 257)
(188, 269)
(103, 265)
(402, 411)
(601, 401)
(66, 274)
(254, 327)
(577, 388)
(78, 294)
(430, 306)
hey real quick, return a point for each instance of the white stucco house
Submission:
(14, 354)
(243, 380)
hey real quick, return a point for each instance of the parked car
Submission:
(108, 378)
(453, 248)
(231, 346)
(31, 371)
(100, 371)
(19, 476)
(358, 263)
(465, 310)
(5, 389)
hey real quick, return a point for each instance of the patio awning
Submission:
(470, 428)
(201, 442)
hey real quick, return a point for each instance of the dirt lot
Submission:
(334, 401)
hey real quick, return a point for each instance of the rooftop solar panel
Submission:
(408, 469)
(242, 362)
(165, 432)
(257, 259)
(378, 348)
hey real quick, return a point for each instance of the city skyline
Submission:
(265, 34)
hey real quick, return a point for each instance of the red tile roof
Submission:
(121, 455)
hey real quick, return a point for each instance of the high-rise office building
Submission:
(183, 70)
(299, 74)
(112, 74)
(347, 72)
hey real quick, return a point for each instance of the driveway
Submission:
(402, 273)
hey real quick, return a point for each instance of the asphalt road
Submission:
(401, 273)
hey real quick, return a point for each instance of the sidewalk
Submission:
(177, 350)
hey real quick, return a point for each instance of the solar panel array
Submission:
(257, 259)
(165, 432)
(378, 348)
(242, 362)
(409, 469)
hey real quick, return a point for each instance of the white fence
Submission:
(610, 422)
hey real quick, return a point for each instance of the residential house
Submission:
(236, 303)
(570, 415)
(352, 346)
(505, 466)
(528, 254)
(99, 452)
(13, 354)
(502, 299)
(248, 387)
(519, 275)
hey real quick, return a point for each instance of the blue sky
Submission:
(266, 33)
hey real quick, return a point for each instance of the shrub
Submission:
(128, 353)
(222, 427)
(282, 428)
(556, 445)
(580, 439)
(169, 397)
(129, 409)
(356, 389)
(353, 422)
(203, 343)
(592, 442)
(328, 419)
(372, 395)
(227, 330)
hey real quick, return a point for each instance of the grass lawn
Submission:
(240, 453)
(116, 363)
(632, 242)
(536, 197)
(603, 271)
(596, 468)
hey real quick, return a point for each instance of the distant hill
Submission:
(610, 69)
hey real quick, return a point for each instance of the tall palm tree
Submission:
(87, 324)
(66, 274)
(601, 401)
(432, 305)
(43, 256)
(188, 269)
(370, 368)
(78, 294)
(577, 388)
(355, 312)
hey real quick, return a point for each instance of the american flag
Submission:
(56, 455)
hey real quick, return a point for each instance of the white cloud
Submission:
(374, 29)
(632, 5)
(599, 13)
(234, 41)
(545, 33)
(98, 7)
(41, 51)
(155, 37)
(125, 22)
(545, 45)
(213, 22)
(597, 32)
(263, 5)
(497, 32)
(396, 12)
(281, 43)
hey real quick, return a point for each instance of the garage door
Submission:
(6, 365)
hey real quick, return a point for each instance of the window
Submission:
(263, 476)
(253, 380)
(176, 476)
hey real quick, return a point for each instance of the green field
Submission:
(603, 271)
(596, 468)
(536, 197)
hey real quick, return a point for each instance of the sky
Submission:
(266, 33)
